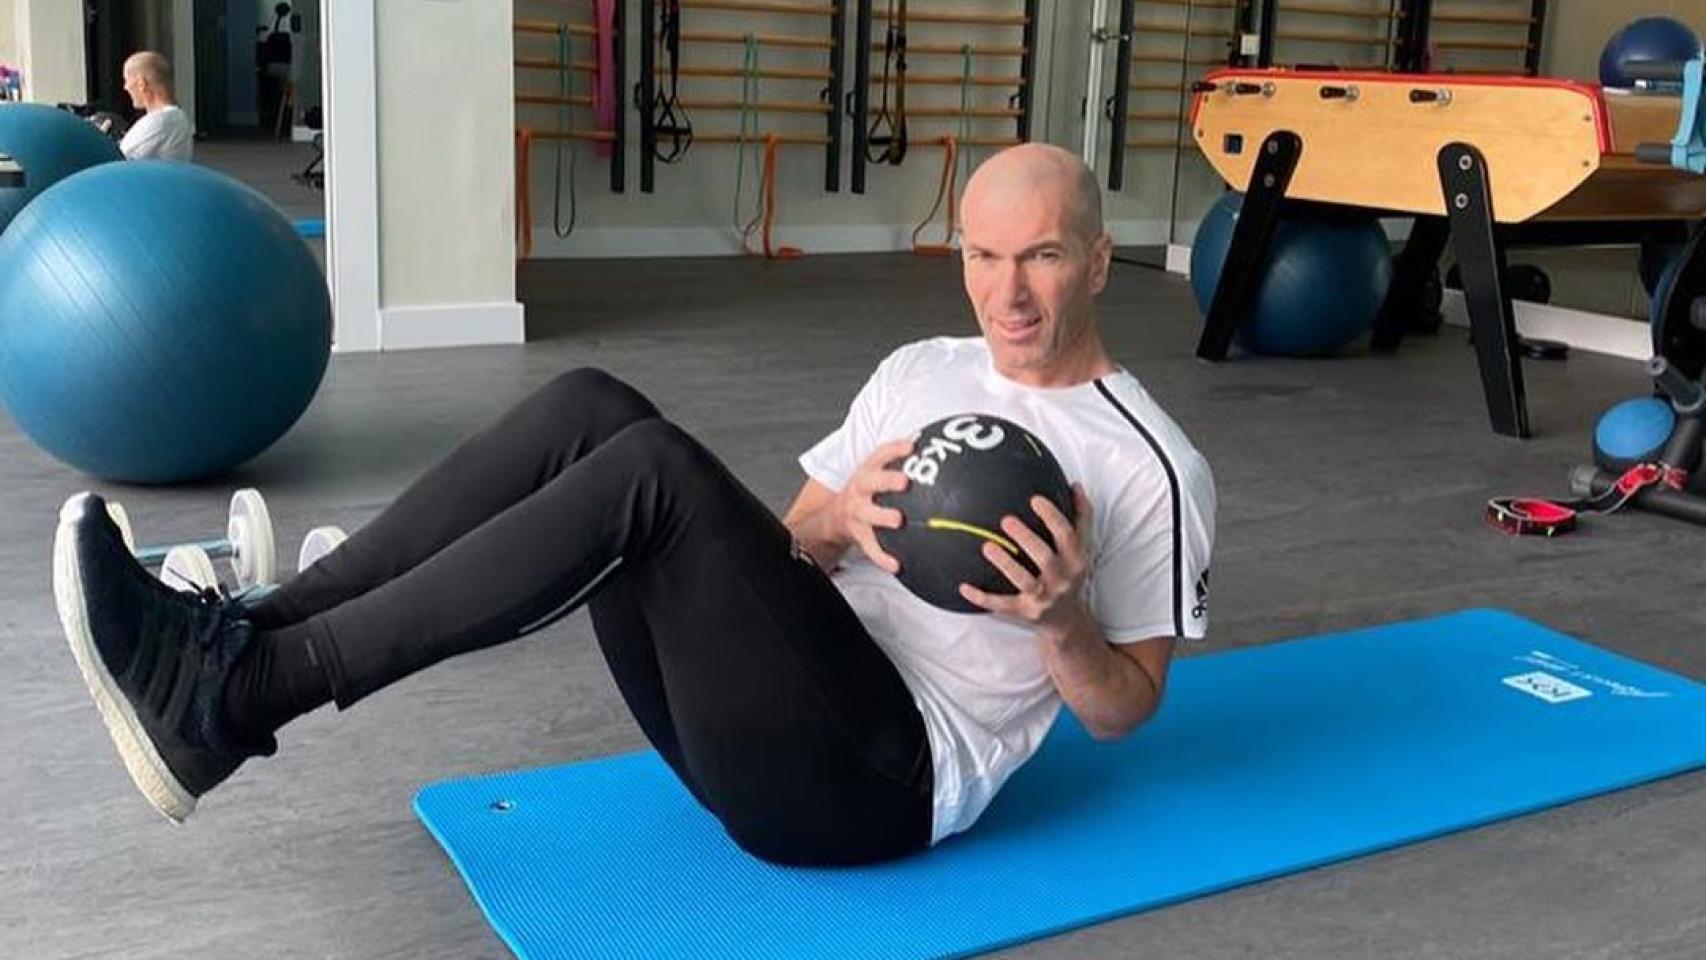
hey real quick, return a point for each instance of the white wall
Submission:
(446, 167)
(8, 33)
(50, 51)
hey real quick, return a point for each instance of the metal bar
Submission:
(648, 94)
(837, 70)
(1027, 69)
(1536, 30)
(1122, 96)
(1464, 178)
(1416, 266)
(619, 42)
(861, 91)
(1252, 237)
(1265, 43)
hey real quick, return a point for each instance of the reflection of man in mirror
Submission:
(273, 55)
(164, 132)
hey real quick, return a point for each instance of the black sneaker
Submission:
(154, 658)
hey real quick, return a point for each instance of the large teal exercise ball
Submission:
(1647, 40)
(1326, 280)
(159, 322)
(40, 146)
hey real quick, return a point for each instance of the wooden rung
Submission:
(1322, 37)
(954, 48)
(1217, 33)
(1479, 45)
(1173, 61)
(1333, 10)
(762, 39)
(766, 73)
(549, 101)
(980, 19)
(788, 139)
(930, 141)
(762, 106)
(762, 6)
(951, 80)
(990, 112)
(546, 26)
(536, 63)
(600, 136)
(1152, 115)
(1162, 143)
(1442, 17)
(1200, 4)
(1152, 86)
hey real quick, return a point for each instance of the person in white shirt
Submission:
(164, 132)
(799, 692)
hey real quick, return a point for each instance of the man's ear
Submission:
(1101, 257)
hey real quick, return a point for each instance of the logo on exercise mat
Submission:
(1546, 687)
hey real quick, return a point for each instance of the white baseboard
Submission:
(594, 243)
(1593, 332)
(451, 325)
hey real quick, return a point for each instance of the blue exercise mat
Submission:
(1262, 762)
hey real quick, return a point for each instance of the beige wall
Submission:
(8, 33)
(445, 134)
(1578, 30)
(50, 50)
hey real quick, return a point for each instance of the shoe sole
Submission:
(147, 770)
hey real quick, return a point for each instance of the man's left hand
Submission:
(1052, 599)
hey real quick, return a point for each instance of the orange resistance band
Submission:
(523, 193)
(950, 176)
(772, 150)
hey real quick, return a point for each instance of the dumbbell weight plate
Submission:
(319, 542)
(188, 568)
(254, 552)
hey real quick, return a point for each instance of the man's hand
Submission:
(826, 522)
(856, 512)
(1052, 599)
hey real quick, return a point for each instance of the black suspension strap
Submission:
(886, 142)
(670, 120)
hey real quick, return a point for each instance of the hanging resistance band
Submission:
(765, 213)
(604, 84)
(565, 119)
(669, 118)
(890, 146)
(949, 188)
(523, 193)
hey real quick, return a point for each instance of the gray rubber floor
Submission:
(1351, 493)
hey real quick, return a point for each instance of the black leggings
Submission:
(741, 661)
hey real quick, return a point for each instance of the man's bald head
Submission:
(153, 68)
(1041, 169)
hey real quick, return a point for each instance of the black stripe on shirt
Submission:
(1173, 489)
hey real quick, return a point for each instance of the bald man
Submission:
(165, 131)
(799, 692)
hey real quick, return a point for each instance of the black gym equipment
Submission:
(966, 473)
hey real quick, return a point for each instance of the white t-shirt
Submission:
(978, 680)
(163, 134)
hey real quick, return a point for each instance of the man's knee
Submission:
(575, 393)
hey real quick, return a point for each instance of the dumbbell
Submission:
(248, 545)
(190, 566)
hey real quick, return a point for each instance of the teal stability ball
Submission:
(1632, 432)
(1326, 279)
(158, 322)
(40, 146)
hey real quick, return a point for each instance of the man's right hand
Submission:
(857, 514)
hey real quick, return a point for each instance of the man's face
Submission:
(135, 86)
(1031, 278)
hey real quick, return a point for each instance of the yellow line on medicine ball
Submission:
(937, 523)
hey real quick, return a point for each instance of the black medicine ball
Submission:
(966, 472)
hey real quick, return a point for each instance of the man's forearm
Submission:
(1110, 692)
